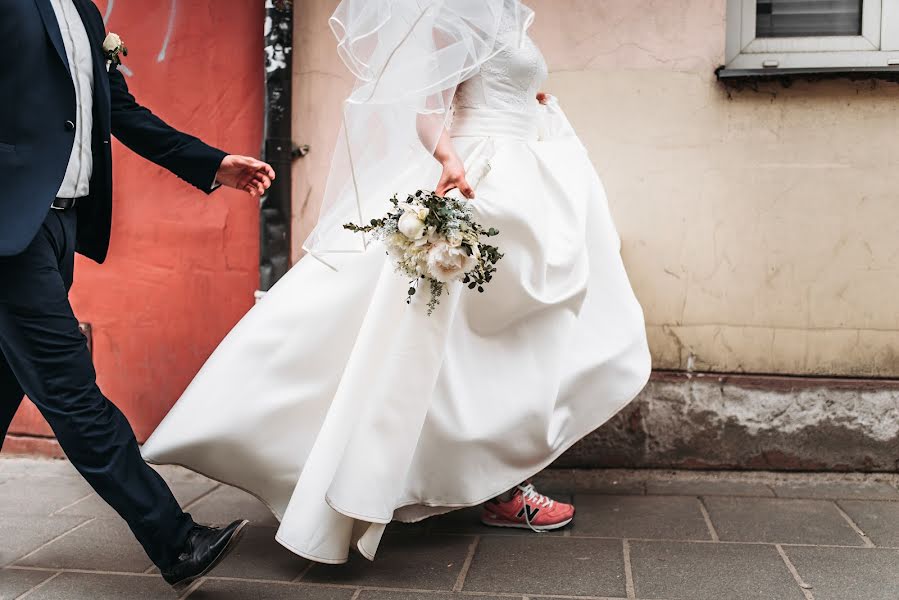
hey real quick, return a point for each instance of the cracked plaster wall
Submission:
(759, 227)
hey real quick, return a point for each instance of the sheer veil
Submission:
(408, 57)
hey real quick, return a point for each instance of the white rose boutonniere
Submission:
(114, 49)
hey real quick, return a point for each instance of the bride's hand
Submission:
(454, 178)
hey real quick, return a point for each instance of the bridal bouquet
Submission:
(435, 240)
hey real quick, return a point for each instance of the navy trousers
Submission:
(44, 355)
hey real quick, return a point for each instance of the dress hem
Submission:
(451, 507)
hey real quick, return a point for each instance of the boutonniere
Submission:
(114, 49)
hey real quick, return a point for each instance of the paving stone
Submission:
(21, 535)
(403, 562)
(4, 477)
(847, 573)
(614, 488)
(379, 595)
(259, 556)
(880, 520)
(175, 473)
(101, 545)
(425, 559)
(227, 504)
(30, 495)
(84, 586)
(545, 565)
(646, 517)
(213, 589)
(14, 583)
(707, 488)
(185, 491)
(697, 571)
(776, 520)
(874, 490)
(37, 467)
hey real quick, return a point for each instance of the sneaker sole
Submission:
(232, 543)
(511, 525)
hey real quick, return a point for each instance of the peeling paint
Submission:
(279, 41)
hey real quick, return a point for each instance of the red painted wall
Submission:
(183, 266)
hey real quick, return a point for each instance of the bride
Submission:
(342, 407)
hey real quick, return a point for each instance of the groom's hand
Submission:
(246, 174)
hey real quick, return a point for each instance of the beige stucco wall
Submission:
(760, 228)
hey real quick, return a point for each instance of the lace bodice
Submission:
(508, 81)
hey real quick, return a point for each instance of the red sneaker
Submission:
(528, 509)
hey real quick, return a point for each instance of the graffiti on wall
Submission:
(278, 36)
(166, 40)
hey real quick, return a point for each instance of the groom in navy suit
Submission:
(60, 102)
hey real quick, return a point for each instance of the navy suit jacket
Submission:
(37, 98)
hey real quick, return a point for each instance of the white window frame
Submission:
(877, 46)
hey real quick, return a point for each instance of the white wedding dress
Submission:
(343, 409)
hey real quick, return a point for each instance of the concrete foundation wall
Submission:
(750, 422)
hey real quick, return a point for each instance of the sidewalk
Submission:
(638, 534)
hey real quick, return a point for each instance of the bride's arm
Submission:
(453, 176)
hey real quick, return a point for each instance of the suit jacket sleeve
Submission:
(149, 136)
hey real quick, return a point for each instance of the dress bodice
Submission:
(508, 81)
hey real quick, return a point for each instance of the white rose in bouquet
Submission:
(412, 224)
(397, 244)
(447, 263)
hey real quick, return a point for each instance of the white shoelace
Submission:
(531, 496)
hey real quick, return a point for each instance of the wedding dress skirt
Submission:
(343, 409)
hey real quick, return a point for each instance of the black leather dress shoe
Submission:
(204, 550)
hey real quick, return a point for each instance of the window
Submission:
(812, 34)
(815, 18)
